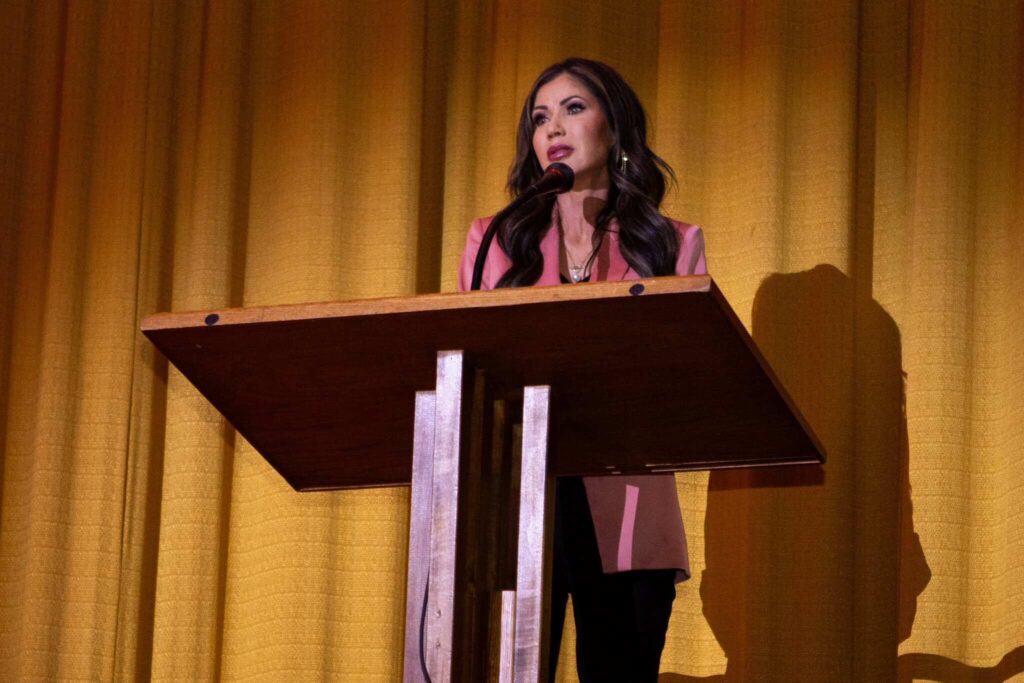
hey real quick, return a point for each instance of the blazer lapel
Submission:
(549, 250)
(610, 263)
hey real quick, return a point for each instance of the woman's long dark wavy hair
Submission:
(647, 240)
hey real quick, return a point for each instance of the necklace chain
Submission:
(577, 271)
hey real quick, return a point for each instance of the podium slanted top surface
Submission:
(646, 376)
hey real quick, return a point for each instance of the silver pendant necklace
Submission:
(577, 271)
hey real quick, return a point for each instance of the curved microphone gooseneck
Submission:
(557, 178)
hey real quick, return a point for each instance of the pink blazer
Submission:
(636, 518)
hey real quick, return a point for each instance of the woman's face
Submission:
(569, 126)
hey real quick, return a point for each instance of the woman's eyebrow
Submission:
(545, 107)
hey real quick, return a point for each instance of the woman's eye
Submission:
(538, 119)
(575, 107)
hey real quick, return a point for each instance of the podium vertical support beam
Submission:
(533, 576)
(449, 430)
(420, 496)
(507, 637)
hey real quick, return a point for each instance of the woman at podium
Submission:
(619, 544)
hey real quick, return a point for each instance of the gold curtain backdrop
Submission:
(858, 168)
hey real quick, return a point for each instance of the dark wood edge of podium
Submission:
(695, 466)
(428, 302)
(741, 331)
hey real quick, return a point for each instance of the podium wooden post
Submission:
(658, 375)
(530, 643)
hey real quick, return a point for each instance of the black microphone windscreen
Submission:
(564, 173)
(558, 177)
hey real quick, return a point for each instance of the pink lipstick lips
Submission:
(557, 152)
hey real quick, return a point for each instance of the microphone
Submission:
(557, 178)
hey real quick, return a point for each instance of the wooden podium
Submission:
(478, 400)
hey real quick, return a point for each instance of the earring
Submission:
(623, 162)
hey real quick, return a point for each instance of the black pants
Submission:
(621, 619)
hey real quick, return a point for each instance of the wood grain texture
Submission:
(454, 529)
(506, 652)
(419, 535)
(441, 588)
(531, 655)
(656, 375)
(476, 546)
(424, 303)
